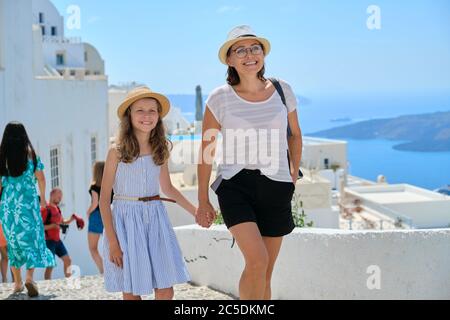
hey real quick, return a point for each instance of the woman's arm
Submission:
(172, 192)
(295, 143)
(210, 131)
(41, 184)
(94, 203)
(109, 173)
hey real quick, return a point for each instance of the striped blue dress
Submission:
(151, 254)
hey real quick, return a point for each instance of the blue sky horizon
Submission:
(317, 46)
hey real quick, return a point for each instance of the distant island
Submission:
(422, 133)
(341, 120)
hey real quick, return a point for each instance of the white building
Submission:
(414, 207)
(66, 119)
(69, 57)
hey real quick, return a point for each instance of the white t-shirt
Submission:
(254, 134)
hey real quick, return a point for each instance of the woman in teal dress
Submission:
(19, 206)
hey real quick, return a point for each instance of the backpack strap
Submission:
(277, 85)
(49, 217)
(47, 221)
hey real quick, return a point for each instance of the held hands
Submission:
(205, 215)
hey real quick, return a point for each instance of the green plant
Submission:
(298, 213)
(219, 218)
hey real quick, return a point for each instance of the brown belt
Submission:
(143, 199)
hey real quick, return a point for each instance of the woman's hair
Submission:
(233, 76)
(15, 150)
(128, 146)
(97, 173)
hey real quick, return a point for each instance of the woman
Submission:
(95, 229)
(19, 207)
(254, 191)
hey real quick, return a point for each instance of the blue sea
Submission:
(369, 158)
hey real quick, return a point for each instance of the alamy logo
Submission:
(74, 281)
(374, 20)
(374, 280)
(74, 18)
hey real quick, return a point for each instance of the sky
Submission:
(318, 46)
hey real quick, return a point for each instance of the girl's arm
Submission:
(109, 173)
(171, 192)
(41, 184)
(94, 203)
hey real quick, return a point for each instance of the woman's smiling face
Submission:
(246, 56)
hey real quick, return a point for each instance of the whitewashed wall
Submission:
(330, 264)
(51, 16)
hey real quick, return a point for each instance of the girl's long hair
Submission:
(15, 150)
(97, 173)
(128, 146)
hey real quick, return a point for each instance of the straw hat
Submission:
(142, 93)
(240, 33)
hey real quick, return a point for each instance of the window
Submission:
(54, 167)
(85, 56)
(54, 31)
(41, 17)
(93, 149)
(43, 30)
(60, 59)
(72, 73)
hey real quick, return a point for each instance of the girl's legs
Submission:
(4, 264)
(164, 294)
(252, 284)
(129, 296)
(93, 239)
(273, 246)
(17, 278)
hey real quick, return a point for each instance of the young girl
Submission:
(95, 228)
(141, 253)
(19, 207)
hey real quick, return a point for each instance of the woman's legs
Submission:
(17, 278)
(93, 239)
(29, 277)
(4, 264)
(273, 246)
(164, 294)
(252, 284)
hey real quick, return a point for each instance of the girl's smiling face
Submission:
(144, 115)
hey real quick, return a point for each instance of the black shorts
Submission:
(57, 247)
(252, 197)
